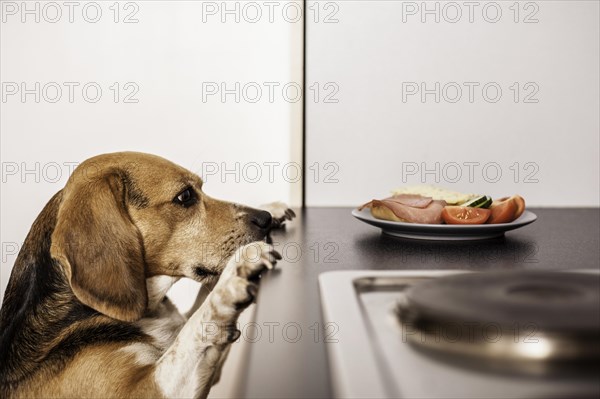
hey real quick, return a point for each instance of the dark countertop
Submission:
(288, 365)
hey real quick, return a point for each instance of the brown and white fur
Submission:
(85, 313)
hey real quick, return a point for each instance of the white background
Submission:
(371, 134)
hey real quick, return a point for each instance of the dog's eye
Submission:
(186, 198)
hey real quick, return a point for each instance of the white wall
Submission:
(174, 51)
(373, 140)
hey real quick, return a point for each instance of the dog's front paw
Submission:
(280, 213)
(236, 290)
(240, 286)
(254, 258)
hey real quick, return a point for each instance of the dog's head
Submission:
(128, 216)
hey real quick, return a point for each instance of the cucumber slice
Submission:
(483, 201)
(487, 203)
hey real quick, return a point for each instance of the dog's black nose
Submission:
(262, 219)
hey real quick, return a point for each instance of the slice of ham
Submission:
(424, 211)
(412, 200)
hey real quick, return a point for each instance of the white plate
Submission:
(444, 231)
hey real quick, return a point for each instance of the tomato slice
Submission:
(465, 215)
(506, 209)
(520, 205)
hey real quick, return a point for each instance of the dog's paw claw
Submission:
(233, 334)
(290, 214)
(280, 213)
(252, 290)
(255, 258)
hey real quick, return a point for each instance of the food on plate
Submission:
(507, 209)
(465, 215)
(436, 193)
(415, 201)
(408, 208)
(435, 205)
(483, 201)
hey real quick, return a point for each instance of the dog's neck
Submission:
(37, 282)
(35, 276)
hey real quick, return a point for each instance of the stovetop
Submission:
(376, 354)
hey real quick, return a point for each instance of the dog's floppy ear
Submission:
(100, 248)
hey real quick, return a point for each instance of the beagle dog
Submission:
(85, 313)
